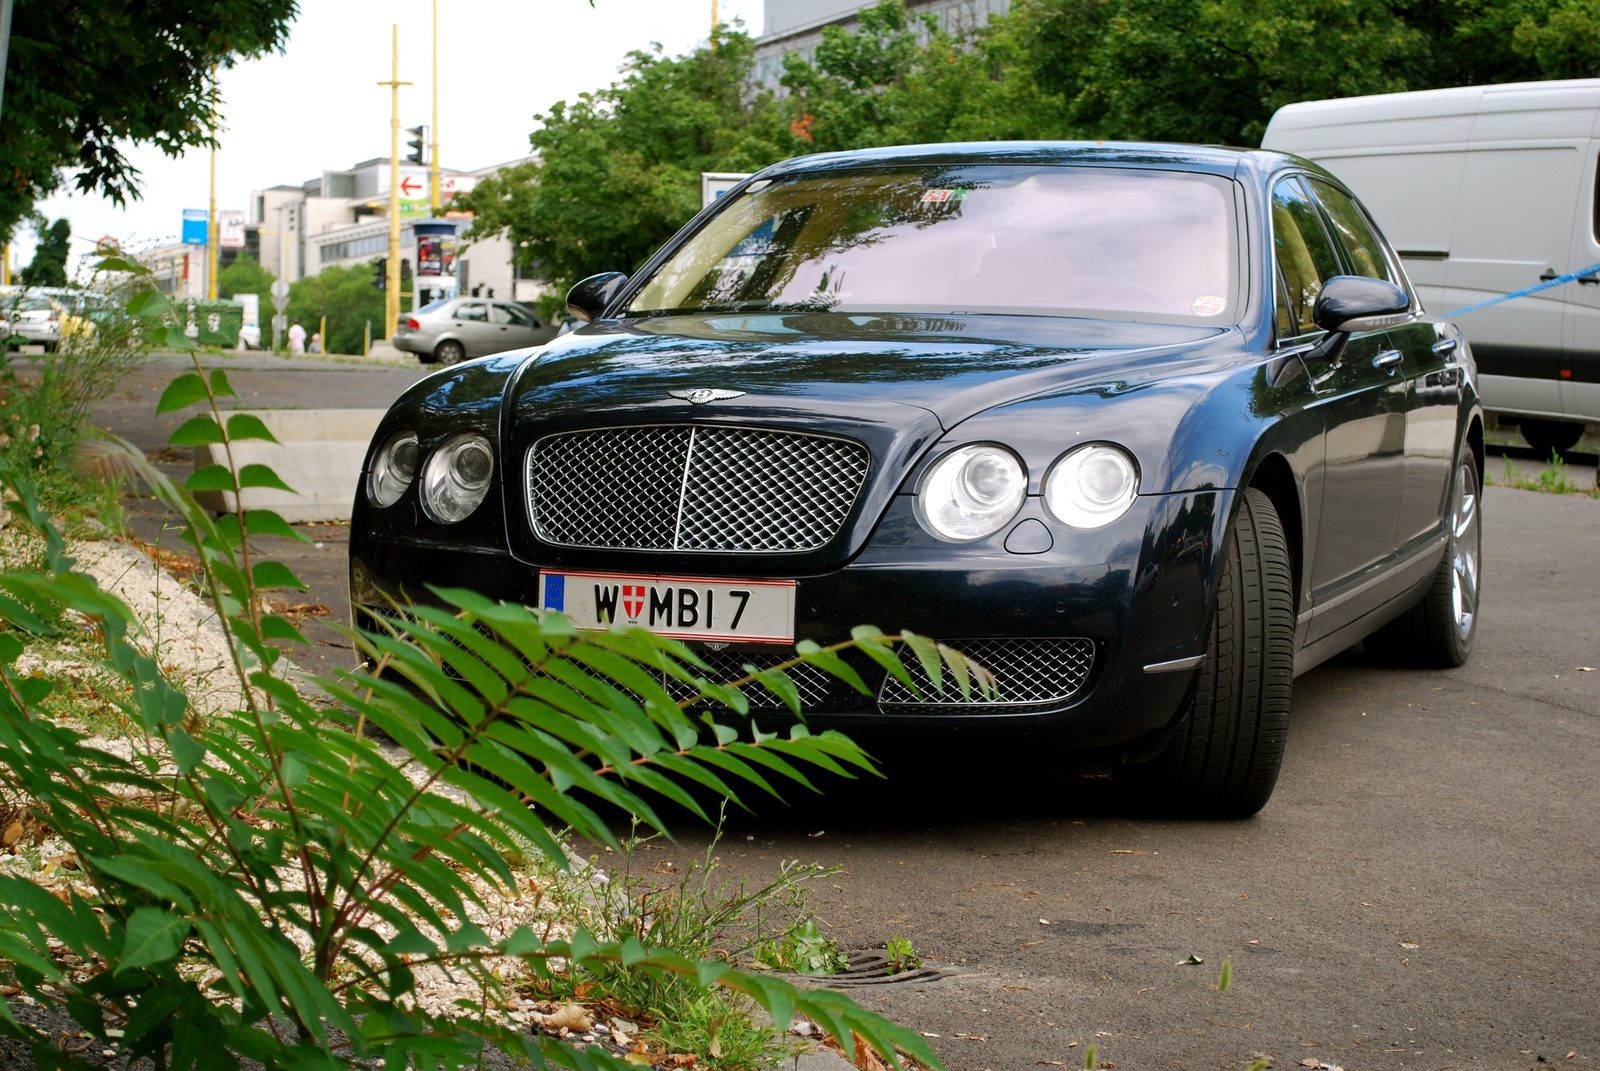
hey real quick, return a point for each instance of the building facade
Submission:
(797, 25)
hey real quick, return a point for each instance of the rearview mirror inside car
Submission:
(588, 298)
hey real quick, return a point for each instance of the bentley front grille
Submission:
(692, 488)
(1028, 673)
(818, 690)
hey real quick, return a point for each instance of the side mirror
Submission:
(588, 299)
(1350, 303)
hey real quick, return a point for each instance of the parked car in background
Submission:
(250, 325)
(1485, 191)
(37, 319)
(1146, 430)
(458, 329)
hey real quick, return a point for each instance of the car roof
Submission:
(1212, 159)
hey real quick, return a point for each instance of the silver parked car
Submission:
(456, 329)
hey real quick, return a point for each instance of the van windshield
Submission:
(1102, 242)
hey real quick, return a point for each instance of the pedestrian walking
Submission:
(297, 338)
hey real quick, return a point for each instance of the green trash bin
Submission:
(218, 323)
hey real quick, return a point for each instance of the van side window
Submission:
(1361, 248)
(1305, 256)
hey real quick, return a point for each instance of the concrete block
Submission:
(318, 453)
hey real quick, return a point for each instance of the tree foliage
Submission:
(49, 264)
(619, 168)
(87, 78)
(347, 298)
(246, 276)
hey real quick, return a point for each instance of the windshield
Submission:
(1112, 243)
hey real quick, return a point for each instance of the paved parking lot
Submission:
(1421, 892)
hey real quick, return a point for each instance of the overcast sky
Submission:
(317, 106)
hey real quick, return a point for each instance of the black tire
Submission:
(1223, 759)
(1440, 630)
(449, 352)
(1547, 435)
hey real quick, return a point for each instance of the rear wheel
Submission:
(449, 352)
(1223, 760)
(1439, 630)
(1547, 435)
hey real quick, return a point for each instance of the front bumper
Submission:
(1139, 589)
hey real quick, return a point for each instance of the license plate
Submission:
(684, 607)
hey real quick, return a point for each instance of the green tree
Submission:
(347, 298)
(87, 78)
(246, 276)
(619, 169)
(49, 266)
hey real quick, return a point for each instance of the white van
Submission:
(1485, 190)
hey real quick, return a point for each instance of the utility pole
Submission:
(391, 290)
(713, 23)
(433, 153)
(211, 234)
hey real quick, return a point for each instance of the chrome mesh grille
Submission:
(1029, 672)
(677, 487)
(817, 689)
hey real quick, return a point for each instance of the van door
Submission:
(1512, 225)
(1580, 384)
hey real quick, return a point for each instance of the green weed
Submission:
(902, 956)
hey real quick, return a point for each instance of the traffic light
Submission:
(405, 269)
(419, 147)
(380, 273)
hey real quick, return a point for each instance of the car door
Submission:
(1432, 376)
(1362, 402)
(514, 324)
(470, 322)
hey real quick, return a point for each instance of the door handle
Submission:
(1549, 273)
(1444, 346)
(1388, 360)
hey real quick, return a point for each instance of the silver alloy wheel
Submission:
(1465, 545)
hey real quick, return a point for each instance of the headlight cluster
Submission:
(973, 491)
(454, 481)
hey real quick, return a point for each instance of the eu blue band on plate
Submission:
(555, 591)
(1546, 285)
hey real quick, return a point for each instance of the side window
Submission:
(1305, 256)
(472, 310)
(512, 314)
(1361, 247)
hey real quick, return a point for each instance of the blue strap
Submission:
(1546, 285)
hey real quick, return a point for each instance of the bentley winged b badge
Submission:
(702, 395)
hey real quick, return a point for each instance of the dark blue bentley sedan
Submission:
(1145, 429)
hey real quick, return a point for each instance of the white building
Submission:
(179, 270)
(797, 25)
(342, 220)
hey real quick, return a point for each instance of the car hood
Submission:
(884, 369)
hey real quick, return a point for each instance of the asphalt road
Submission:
(1421, 891)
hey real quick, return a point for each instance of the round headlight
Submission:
(971, 492)
(393, 469)
(457, 477)
(1092, 485)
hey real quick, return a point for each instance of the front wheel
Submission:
(1439, 631)
(449, 352)
(1223, 760)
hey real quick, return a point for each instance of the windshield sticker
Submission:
(1209, 305)
(944, 197)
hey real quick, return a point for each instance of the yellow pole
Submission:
(211, 234)
(433, 149)
(5, 266)
(391, 291)
(323, 331)
(713, 23)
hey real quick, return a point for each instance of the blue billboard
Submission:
(194, 226)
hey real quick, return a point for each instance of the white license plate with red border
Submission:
(684, 607)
